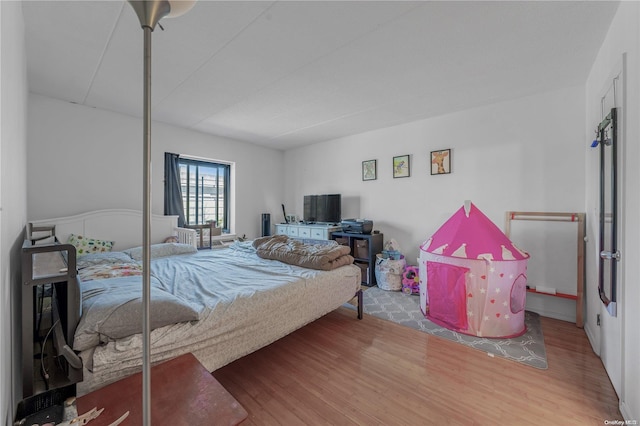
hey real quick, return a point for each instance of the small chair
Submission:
(200, 228)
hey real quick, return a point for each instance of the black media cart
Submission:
(364, 248)
(50, 312)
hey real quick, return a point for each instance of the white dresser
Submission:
(314, 231)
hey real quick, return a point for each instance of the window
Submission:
(205, 192)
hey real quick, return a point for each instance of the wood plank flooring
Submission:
(341, 371)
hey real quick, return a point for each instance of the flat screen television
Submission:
(322, 208)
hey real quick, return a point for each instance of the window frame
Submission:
(226, 172)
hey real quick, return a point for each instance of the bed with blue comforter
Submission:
(219, 304)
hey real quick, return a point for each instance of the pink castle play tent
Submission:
(472, 278)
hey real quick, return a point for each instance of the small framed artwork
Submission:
(369, 171)
(401, 166)
(441, 162)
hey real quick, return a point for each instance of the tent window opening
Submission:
(519, 294)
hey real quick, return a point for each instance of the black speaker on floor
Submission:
(266, 224)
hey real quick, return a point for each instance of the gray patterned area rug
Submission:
(405, 310)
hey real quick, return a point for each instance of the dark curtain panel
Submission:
(172, 192)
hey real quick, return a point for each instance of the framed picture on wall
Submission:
(441, 162)
(401, 166)
(369, 171)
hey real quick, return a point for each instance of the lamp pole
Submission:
(149, 13)
(146, 233)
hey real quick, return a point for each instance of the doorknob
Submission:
(607, 255)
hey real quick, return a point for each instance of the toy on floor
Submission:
(410, 280)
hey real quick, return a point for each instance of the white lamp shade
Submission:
(180, 7)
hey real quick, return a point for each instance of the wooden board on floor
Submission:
(183, 392)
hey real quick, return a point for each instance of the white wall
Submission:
(83, 159)
(617, 338)
(527, 155)
(13, 93)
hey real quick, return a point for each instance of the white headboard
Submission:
(122, 226)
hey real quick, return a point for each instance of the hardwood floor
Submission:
(340, 371)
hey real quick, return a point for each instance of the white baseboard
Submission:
(553, 314)
(593, 340)
(552, 307)
(625, 410)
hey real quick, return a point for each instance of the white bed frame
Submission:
(122, 226)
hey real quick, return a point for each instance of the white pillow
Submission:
(162, 250)
(102, 258)
(112, 308)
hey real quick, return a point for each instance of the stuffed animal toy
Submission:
(410, 280)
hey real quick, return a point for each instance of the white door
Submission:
(611, 224)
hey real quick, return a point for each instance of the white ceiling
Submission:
(290, 73)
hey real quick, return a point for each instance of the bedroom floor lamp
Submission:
(149, 13)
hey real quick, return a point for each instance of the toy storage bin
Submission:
(389, 272)
(342, 241)
(361, 249)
